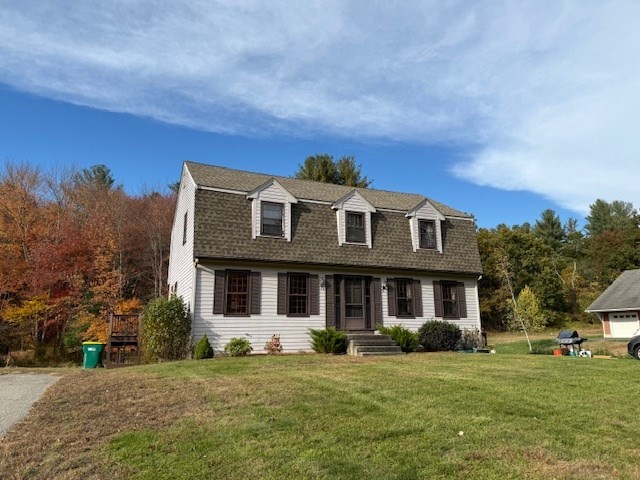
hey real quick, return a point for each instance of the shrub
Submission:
(405, 338)
(166, 330)
(439, 336)
(203, 349)
(328, 340)
(238, 347)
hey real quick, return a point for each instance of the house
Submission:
(619, 306)
(256, 255)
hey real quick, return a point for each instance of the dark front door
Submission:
(354, 303)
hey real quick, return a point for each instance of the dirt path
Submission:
(17, 394)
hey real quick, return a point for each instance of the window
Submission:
(355, 227)
(298, 294)
(428, 234)
(271, 221)
(237, 293)
(450, 300)
(184, 229)
(404, 297)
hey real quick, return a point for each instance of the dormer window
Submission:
(271, 219)
(353, 213)
(425, 223)
(271, 211)
(428, 234)
(356, 227)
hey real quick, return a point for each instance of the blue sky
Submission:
(497, 108)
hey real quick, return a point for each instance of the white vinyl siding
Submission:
(258, 329)
(181, 254)
(471, 322)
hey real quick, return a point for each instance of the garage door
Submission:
(624, 325)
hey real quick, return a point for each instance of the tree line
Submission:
(74, 246)
(548, 273)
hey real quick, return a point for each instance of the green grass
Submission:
(314, 416)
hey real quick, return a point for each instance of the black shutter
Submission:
(462, 301)
(256, 290)
(377, 301)
(282, 294)
(330, 299)
(417, 299)
(218, 292)
(437, 298)
(314, 295)
(391, 297)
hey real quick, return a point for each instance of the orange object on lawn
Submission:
(557, 352)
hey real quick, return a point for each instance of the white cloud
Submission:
(546, 92)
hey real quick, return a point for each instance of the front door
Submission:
(354, 303)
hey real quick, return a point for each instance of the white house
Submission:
(255, 255)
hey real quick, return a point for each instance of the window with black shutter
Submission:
(450, 300)
(404, 297)
(237, 293)
(355, 227)
(298, 295)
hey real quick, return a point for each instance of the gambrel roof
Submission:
(622, 294)
(223, 226)
(242, 181)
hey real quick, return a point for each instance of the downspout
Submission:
(192, 304)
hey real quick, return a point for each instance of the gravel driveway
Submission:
(17, 394)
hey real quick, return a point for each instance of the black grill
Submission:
(568, 337)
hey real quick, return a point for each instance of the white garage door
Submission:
(624, 325)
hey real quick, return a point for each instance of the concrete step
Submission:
(369, 344)
(373, 354)
(373, 341)
(377, 348)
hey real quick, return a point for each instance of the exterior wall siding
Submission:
(258, 329)
(294, 331)
(471, 322)
(181, 255)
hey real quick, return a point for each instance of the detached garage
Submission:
(619, 305)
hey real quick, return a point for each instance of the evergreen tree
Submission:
(322, 168)
(549, 230)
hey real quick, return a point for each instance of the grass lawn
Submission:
(311, 416)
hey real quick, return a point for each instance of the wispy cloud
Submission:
(545, 93)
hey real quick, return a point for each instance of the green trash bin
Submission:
(92, 354)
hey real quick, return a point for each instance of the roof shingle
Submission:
(223, 227)
(622, 294)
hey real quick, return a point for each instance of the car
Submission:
(634, 347)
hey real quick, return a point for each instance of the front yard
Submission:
(312, 416)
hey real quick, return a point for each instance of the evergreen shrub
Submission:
(238, 347)
(407, 340)
(439, 336)
(203, 349)
(166, 330)
(328, 340)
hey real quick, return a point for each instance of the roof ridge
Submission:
(403, 200)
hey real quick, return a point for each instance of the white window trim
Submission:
(256, 209)
(341, 207)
